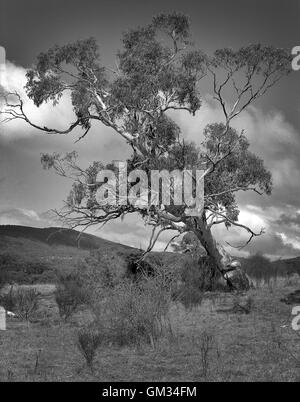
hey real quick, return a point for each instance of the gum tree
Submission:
(158, 71)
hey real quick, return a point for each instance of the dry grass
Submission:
(210, 342)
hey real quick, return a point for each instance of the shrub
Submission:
(70, 294)
(97, 272)
(291, 280)
(65, 302)
(88, 341)
(207, 344)
(3, 277)
(25, 303)
(196, 277)
(48, 276)
(13, 268)
(140, 267)
(260, 268)
(33, 268)
(68, 299)
(135, 313)
(7, 300)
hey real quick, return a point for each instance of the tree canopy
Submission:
(157, 70)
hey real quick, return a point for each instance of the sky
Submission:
(272, 124)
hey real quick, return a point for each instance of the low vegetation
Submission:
(260, 269)
(158, 321)
(88, 342)
(14, 269)
(70, 294)
(210, 342)
(23, 302)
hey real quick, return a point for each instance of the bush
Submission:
(26, 303)
(291, 280)
(33, 268)
(260, 268)
(14, 269)
(207, 345)
(196, 277)
(3, 277)
(66, 303)
(69, 295)
(68, 300)
(135, 313)
(140, 267)
(7, 300)
(97, 272)
(88, 342)
(23, 302)
(48, 276)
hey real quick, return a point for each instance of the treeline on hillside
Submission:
(261, 268)
(13, 269)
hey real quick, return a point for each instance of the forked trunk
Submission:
(219, 258)
(224, 270)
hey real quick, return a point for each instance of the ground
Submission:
(258, 346)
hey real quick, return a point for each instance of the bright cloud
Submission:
(45, 115)
(294, 242)
(26, 217)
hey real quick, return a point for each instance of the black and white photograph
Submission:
(149, 194)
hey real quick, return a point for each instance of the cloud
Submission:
(292, 220)
(278, 143)
(293, 242)
(25, 217)
(278, 240)
(45, 115)
(102, 143)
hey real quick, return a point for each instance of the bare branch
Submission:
(231, 222)
(171, 240)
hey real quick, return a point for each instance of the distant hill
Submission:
(291, 265)
(35, 254)
(260, 268)
(58, 236)
(29, 254)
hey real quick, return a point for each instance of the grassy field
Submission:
(216, 341)
(246, 337)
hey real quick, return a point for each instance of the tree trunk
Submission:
(216, 253)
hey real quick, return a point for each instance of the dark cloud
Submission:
(285, 219)
(272, 244)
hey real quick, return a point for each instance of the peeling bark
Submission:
(219, 257)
